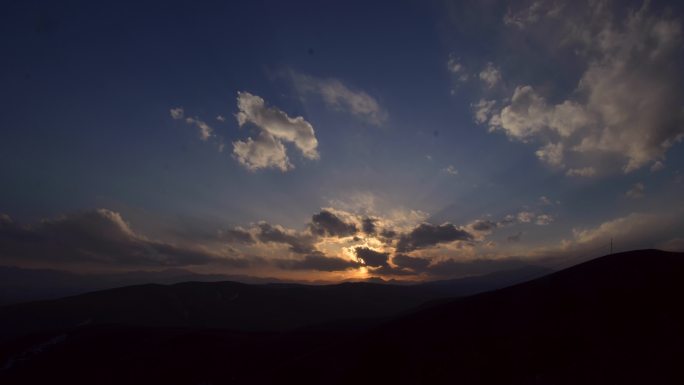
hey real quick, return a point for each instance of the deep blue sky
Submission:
(86, 90)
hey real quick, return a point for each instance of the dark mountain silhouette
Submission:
(23, 285)
(612, 320)
(238, 306)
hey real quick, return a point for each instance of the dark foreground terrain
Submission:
(618, 319)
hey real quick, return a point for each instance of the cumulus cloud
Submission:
(490, 75)
(325, 223)
(96, 237)
(275, 129)
(627, 104)
(426, 235)
(372, 257)
(368, 225)
(297, 242)
(339, 96)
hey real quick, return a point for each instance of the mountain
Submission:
(23, 285)
(612, 320)
(238, 306)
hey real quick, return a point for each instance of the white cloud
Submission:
(220, 118)
(276, 128)
(551, 153)
(264, 152)
(490, 75)
(177, 113)
(627, 104)
(483, 110)
(338, 96)
(637, 191)
(205, 131)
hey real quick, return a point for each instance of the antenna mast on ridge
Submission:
(611, 245)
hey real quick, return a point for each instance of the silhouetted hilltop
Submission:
(612, 320)
(238, 306)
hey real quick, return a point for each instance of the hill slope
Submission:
(614, 320)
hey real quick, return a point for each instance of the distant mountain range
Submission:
(242, 307)
(613, 320)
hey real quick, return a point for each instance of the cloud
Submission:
(627, 104)
(544, 219)
(490, 75)
(484, 225)
(220, 118)
(299, 243)
(456, 68)
(483, 110)
(657, 166)
(451, 170)
(368, 225)
(532, 14)
(338, 96)
(514, 237)
(426, 235)
(630, 232)
(583, 172)
(275, 129)
(96, 237)
(325, 223)
(205, 131)
(177, 113)
(264, 152)
(416, 264)
(372, 257)
(525, 216)
(636, 192)
(317, 262)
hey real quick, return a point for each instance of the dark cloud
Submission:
(368, 225)
(416, 264)
(236, 236)
(426, 235)
(97, 237)
(484, 225)
(317, 262)
(514, 237)
(327, 223)
(299, 243)
(372, 257)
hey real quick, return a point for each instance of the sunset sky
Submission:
(333, 140)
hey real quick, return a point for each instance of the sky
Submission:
(408, 140)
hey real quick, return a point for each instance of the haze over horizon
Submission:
(308, 141)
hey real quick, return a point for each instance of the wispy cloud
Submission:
(339, 96)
